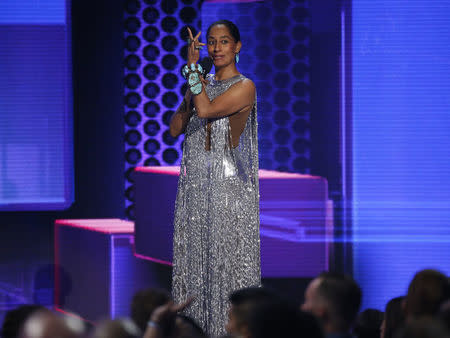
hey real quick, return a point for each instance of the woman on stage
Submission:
(216, 227)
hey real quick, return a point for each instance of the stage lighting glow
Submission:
(401, 143)
(36, 145)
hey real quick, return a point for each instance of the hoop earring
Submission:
(236, 57)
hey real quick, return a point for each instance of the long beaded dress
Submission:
(216, 248)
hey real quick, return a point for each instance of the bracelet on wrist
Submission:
(153, 324)
(195, 84)
(193, 68)
(196, 88)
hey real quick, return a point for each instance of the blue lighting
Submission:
(33, 12)
(36, 151)
(401, 143)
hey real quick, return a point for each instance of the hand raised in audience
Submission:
(163, 317)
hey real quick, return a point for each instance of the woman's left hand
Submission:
(194, 48)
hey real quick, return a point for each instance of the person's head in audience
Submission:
(428, 290)
(335, 300)
(278, 318)
(423, 327)
(243, 302)
(117, 328)
(144, 303)
(368, 323)
(14, 319)
(45, 324)
(394, 318)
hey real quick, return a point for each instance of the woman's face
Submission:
(221, 46)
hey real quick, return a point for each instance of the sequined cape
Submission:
(216, 246)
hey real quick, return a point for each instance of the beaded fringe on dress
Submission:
(216, 247)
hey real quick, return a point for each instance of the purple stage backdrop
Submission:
(156, 51)
(36, 151)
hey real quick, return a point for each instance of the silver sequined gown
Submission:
(216, 228)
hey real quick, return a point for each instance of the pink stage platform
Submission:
(263, 174)
(295, 217)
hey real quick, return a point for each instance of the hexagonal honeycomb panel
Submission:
(275, 55)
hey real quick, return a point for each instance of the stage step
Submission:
(96, 271)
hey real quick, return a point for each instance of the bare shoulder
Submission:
(246, 85)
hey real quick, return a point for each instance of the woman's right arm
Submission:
(181, 117)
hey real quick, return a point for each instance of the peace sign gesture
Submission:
(193, 54)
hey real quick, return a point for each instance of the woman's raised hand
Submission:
(193, 54)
